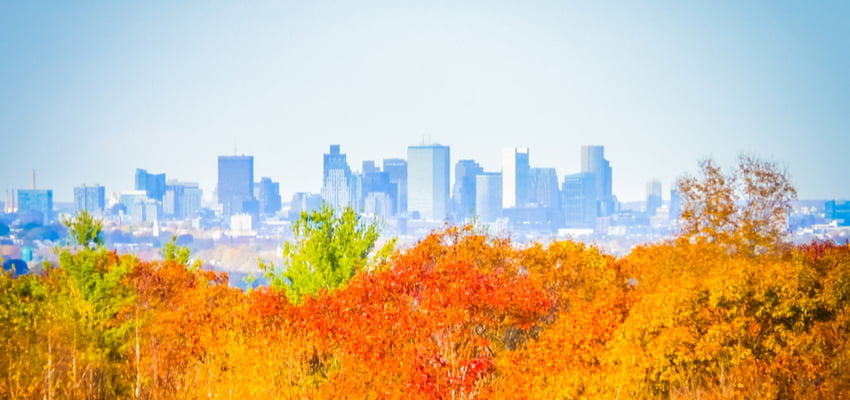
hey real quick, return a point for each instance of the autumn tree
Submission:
(747, 209)
(328, 249)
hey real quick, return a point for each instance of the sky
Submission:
(90, 91)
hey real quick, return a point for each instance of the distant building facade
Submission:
(396, 169)
(152, 184)
(653, 196)
(463, 191)
(182, 200)
(428, 181)
(593, 161)
(378, 186)
(236, 185)
(38, 203)
(488, 196)
(578, 200)
(515, 177)
(339, 185)
(544, 190)
(838, 211)
(267, 193)
(303, 202)
(90, 198)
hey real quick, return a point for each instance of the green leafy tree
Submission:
(746, 210)
(171, 251)
(84, 229)
(328, 249)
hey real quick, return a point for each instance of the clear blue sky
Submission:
(89, 91)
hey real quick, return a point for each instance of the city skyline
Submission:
(93, 92)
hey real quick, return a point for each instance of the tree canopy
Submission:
(328, 249)
(746, 209)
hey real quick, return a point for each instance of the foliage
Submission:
(84, 229)
(746, 210)
(328, 249)
(171, 251)
(458, 315)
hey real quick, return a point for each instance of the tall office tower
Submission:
(236, 186)
(544, 189)
(90, 198)
(515, 179)
(675, 203)
(182, 199)
(653, 196)
(152, 184)
(267, 193)
(428, 181)
(593, 160)
(339, 185)
(35, 205)
(838, 211)
(578, 200)
(378, 186)
(303, 202)
(488, 196)
(463, 191)
(396, 168)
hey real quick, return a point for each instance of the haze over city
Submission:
(90, 92)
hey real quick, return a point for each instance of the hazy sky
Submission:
(90, 91)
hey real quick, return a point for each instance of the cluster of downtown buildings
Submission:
(415, 192)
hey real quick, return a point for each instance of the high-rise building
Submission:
(578, 200)
(488, 196)
(428, 181)
(543, 188)
(396, 168)
(182, 199)
(675, 204)
(152, 184)
(268, 194)
(515, 177)
(838, 211)
(304, 202)
(593, 161)
(134, 205)
(463, 191)
(653, 196)
(38, 203)
(90, 198)
(339, 185)
(236, 185)
(377, 183)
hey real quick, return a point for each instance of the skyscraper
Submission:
(339, 185)
(236, 185)
(268, 194)
(515, 177)
(543, 188)
(90, 198)
(593, 161)
(488, 196)
(152, 184)
(37, 202)
(377, 185)
(428, 181)
(396, 168)
(578, 200)
(653, 196)
(182, 199)
(463, 191)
